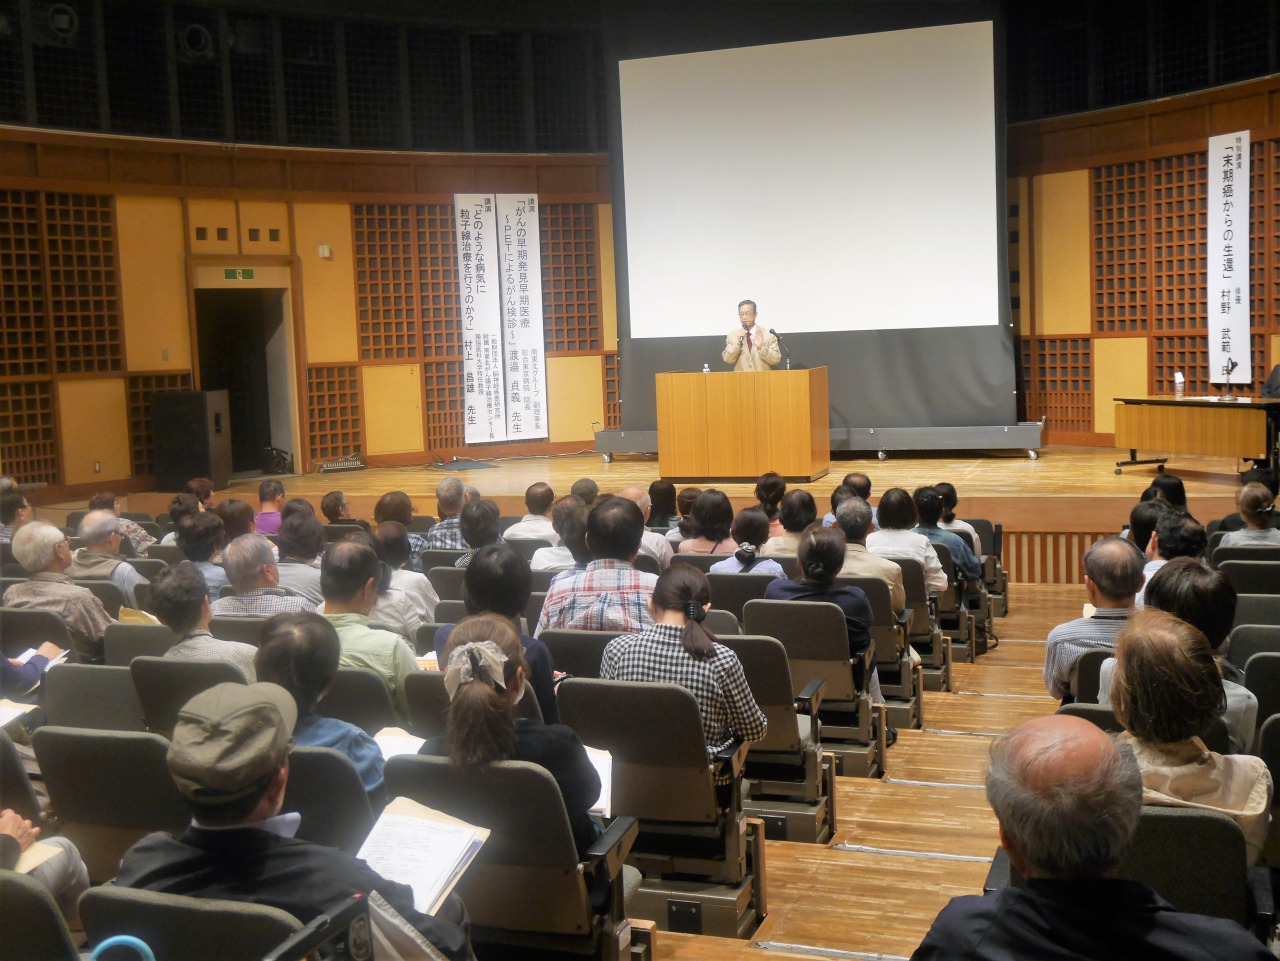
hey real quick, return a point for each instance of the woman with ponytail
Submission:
(750, 532)
(1257, 506)
(949, 522)
(484, 674)
(769, 491)
(677, 649)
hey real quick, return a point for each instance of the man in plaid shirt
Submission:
(610, 595)
(251, 567)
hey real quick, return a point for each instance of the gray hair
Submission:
(7, 483)
(244, 559)
(1115, 565)
(34, 544)
(96, 527)
(638, 496)
(854, 518)
(1076, 830)
(450, 493)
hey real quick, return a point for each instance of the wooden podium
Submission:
(738, 425)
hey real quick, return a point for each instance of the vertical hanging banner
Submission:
(1227, 271)
(484, 396)
(523, 342)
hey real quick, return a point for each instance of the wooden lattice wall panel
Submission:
(1120, 248)
(438, 282)
(386, 283)
(1190, 355)
(24, 330)
(612, 393)
(570, 280)
(443, 395)
(83, 302)
(1047, 557)
(333, 406)
(141, 388)
(1064, 383)
(28, 439)
(1026, 379)
(1269, 235)
(1179, 213)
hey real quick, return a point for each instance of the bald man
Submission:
(1068, 801)
(655, 545)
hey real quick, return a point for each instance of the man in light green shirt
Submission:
(349, 579)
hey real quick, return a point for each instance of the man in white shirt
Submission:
(535, 525)
(655, 545)
(566, 512)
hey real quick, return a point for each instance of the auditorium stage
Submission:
(1051, 508)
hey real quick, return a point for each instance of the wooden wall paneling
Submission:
(1064, 382)
(24, 334)
(386, 282)
(1120, 248)
(570, 278)
(1048, 556)
(28, 432)
(335, 412)
(438, 291)
(443, 405)
(612, 387)
(83, 284)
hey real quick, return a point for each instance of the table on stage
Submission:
(1242, 428)
(740, 424)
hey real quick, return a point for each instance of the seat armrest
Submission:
(734, 756)
(904, 619)
(1264, 908)
(614, 845)
(810, 699)
(998, 875)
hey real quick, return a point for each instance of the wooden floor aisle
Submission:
(907, 844)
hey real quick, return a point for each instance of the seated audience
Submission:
(136, 534)
(610, 594)
(682, 528)
(1173, 490)
(1166, 691)
(19, 679)
(296, 507)
(300, 543)
(1067, 799)
(1142, 524)
(396, 506)
(237, 520)
(677, 649)
(652, 543)
(252, 569)
(180, 600)
(853, 517)
(99, 558)
(710, 525)
(796, 513)
(1256, 505)
(181, 507)
(349, 578)
(821, 559)
(1176, 535)
(498, 582)
(949, 520)
(202, 489)
(928, 513)
(335, 509)
(300, 652)
(393, 542)
(393, 609)
(838, 497)
(43, 551)
(586, 490)
(201, 538)
(15, 510)
(750, 532)
(568, 510)
(484, 672)
(63, 874)
(662, 496)
(271, 500)
(478, 523)
(229, 757)
(769, 491)
(860, 484)
(1112, 576)
(1257, 475)
(895, 538)
(535, 525)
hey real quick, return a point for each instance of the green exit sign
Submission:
(237, 273)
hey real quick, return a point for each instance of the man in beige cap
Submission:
(230, 759)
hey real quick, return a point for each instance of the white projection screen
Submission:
(844, 184)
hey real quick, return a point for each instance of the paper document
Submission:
(31, 652)
(34, 856)
(10, 711)
(422, 848)
(394, 740)
(602, 761)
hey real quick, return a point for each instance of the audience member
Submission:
(180, 599)
(393, 609)
(861, 485)
(63, 874)
(1142, 521)
(19, 679)
(586, 490)
(928, 504)
(252, 569)
(202, 488)
(300, 652)
(445, 534)
(838, 497)
(710, 525)
(1067, 799)
(15, 510)
(1171, 486)
(181, 507)
(535, 525)
(137, 535)
(1176, 535)
(300, 543)
(652, 544)
(393, 542)
(895, 538)
(949, 520)
(1166, 691)
(1260, 475)
(479, 525)
(7, 484)
(664, 513)
(683, 526)
(44, 552)
(237, 519)
(200, 538)
(1112, 576)
(610, 595)
(349, 579)
(296, 507)
(498, 582)
(750, 532)
(854, 520)
(335, 509)
(99, 558)
(796, 513)
(484, 674)
(769, 491)
(1256, 505)
(270, 501)
(229, 757)
(677, 649)
(568, 519)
